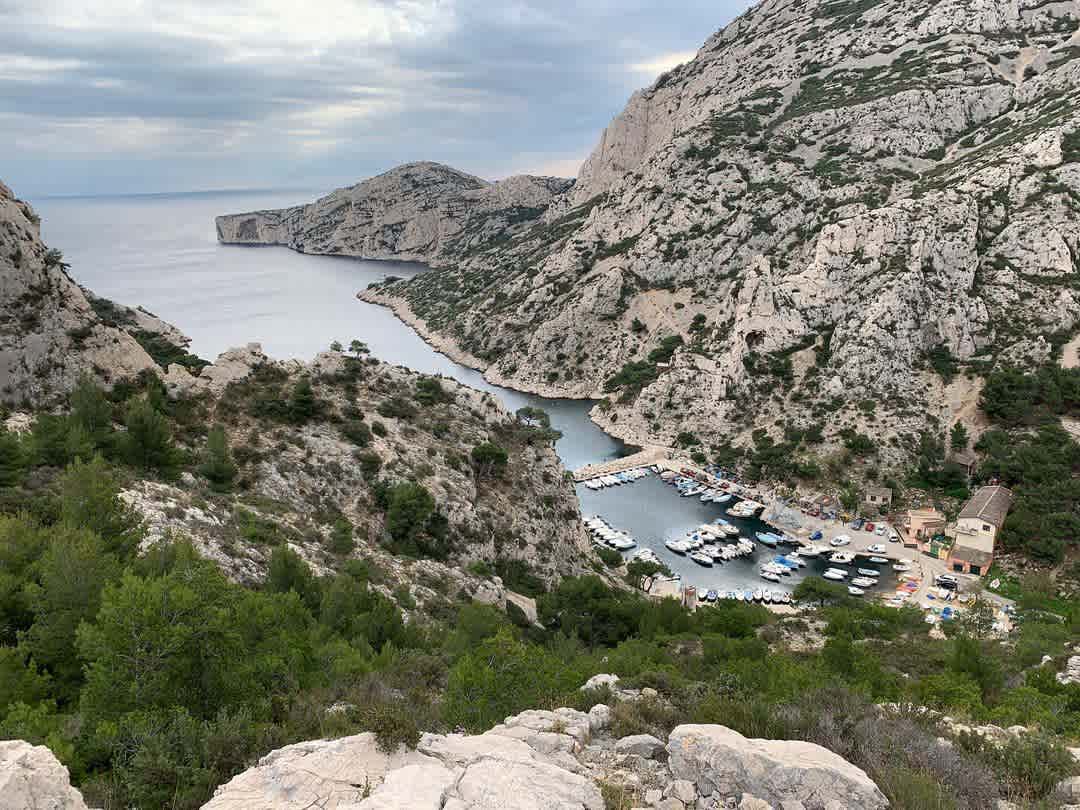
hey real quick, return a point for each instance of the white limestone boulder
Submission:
(31, 777)
(719, 760)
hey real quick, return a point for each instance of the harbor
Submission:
(745, 554)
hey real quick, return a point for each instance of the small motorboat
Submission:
(879, 560)
(834, 575)
(770, 576)
(842, 557)
(855, 591)
(757, 595)
(863, 582)
(748, 595)
(678, 546)
(869, 572)
(710, 595)
(901, 567)
(701, 558)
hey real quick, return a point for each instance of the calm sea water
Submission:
(161, 252)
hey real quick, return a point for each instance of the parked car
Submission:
(880, 530)
(857, 524)
(877, 548)
(840, 540)
(817, 535)
(869, 527)
(894, 537)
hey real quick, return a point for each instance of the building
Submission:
(977, 528)
(877, 500)
(920, 528)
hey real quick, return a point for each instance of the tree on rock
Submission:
(218, 467)
(489, 458)
(148, 442)
(358, 347)
(959, 437)
(302, 402)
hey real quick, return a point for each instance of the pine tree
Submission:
(218, 467)
(302, 402)
(148, 442)
(11, 459)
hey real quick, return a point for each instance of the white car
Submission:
(877, 548)
(840, 540)
(894, 537)
(880, 531)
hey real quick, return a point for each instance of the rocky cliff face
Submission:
(833, 199)
(416, 212)
(51, 330)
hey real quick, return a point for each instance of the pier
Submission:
(643, 458)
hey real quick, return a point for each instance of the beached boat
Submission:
(854, 591)
(901, 567)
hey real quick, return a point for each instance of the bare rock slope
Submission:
(51, 330)
(834, 201)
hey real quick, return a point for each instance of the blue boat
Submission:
(767, 538)
(748, 595)
(784, 561)
(710, 596)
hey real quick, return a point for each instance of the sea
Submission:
(160, 252)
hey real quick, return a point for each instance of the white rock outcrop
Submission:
(32, 778)
(500, 770)
(719, 760)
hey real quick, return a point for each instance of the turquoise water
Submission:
(161, 252)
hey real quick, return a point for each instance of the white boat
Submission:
(842, 557)
(868, 572)
(678, 546)
(834, 574)
(864, 582)
(901, 567)
(623, 543)
(757, 595)
(855, 591)
(701, 558)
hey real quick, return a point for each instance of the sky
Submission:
(134, 96)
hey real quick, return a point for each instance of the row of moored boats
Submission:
(604, 534)
(748, 595)
(617, 479)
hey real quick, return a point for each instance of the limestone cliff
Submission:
(51, 330)
(831, 204)
(417, 212)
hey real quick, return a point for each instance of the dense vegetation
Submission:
(1032, 454)
(154, 678)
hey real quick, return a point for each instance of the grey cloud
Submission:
(507, 82)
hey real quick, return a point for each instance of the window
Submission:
(958, 567)
(986, 527)
(976, 569)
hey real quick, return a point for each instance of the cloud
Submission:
(654, 67)
(258, 93)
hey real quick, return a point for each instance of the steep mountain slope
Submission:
(836, 201)
(419, 211)
(51, 330)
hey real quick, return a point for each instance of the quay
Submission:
(645, 457)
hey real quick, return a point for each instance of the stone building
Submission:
(977, 528)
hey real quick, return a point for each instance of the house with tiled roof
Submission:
(977, 528)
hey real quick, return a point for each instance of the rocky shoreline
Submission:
(447, 346)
